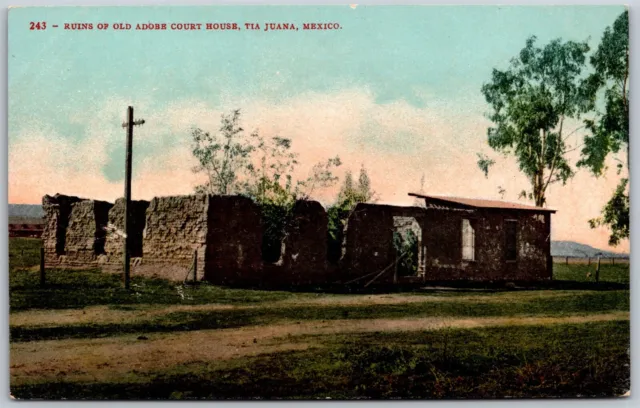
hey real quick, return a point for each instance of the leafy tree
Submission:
(223, 157)
(348, 197)
(271, 181)
(531, 101)
(347, 189)
(616, 214)
(321, 177)
(365, 194)
(271, 184)
(406, 246)
(270, 177)
(610, 130)
(485, 163)
(351, 194)
(260, 168)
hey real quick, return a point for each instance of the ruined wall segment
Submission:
(233, 241)
(225, 235)
(86, 232)
(534, 247)
(175, 228)
(304, 255)
(368, 246)
(57, 211)
(115, 236)
(443, 240)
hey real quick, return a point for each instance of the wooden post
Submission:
(613, 261)
(395, 270)
(566, 260)
(127, 194)
(127, 198)
(42, 274)
(589, 261)
(598, 270)
(424, 264)
(195, 266)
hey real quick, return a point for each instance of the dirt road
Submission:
(115, 357)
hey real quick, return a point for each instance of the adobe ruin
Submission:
(447, 239)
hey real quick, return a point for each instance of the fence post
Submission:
(613, 261)
(589, 262)
(566, 260)
(598, 270)
(195, 266)
(42, 275)
(395, 270)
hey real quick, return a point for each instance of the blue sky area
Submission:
(420, 56)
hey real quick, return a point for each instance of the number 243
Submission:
(38, 25)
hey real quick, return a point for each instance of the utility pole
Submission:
(129, 124)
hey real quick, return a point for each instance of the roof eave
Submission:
(443, 200)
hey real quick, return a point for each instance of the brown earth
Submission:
(116, 358)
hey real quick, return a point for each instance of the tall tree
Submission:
(222, 156)
(260, 168)
(347, 189)
(349, 196)
(365, 193)
(610, 130)
(269, 174)
(531, 102)
(271, 184)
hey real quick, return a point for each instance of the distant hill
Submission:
(26, 210)
(25, 214)
(574, 249)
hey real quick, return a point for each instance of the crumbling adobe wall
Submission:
(368, 246)
(86, 232)
(534, 247)
(444, 242)
(115, 236)
(175, 228)
(57, 210)
(304, 251)
(233, 241)
(225, 232)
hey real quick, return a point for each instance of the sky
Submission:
(396, 89)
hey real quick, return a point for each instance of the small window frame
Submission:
(471, 227)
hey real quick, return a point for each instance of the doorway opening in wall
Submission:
(61, 237)
(407, 243)
(61, 232)
(274, 221)
(101, 234)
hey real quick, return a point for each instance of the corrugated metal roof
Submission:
(482, 203)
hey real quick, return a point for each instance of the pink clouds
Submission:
(396, 142)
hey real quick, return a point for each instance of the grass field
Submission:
(83, 336)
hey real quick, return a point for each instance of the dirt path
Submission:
(118, 357)
(142, 313)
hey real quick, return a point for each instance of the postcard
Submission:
(328, 202)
